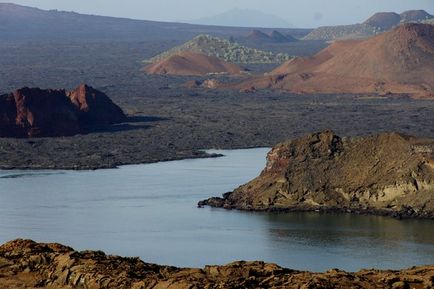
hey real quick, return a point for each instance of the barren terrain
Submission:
(169, 122)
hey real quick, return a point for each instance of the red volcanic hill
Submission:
(400, 61)
(191, 63)
(35, 112)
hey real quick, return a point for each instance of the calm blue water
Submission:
(150, 211)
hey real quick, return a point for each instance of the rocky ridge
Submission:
(26, 264)
(387, 174)
(35, 112)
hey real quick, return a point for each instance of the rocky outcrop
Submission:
(389, 174)
(95, 107)
(26, 264)
(35, 112)
(32, 112)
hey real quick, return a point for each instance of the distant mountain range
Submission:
(379, 22)
(21, 23)
(243, 18)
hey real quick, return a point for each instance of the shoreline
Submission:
(199, 154)
(399, 215)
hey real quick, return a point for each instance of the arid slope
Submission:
(191, 63)
(397, 62)
(388, 174)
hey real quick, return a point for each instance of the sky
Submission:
(300, 13)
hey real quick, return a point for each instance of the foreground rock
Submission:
(26, 264)
(400, 61)
(388, 174)
(35, 112)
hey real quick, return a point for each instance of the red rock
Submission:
(400, 61)
(44, 113)
(35, 112)
(191, 63)
(95, 107)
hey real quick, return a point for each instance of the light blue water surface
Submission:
(150, 211)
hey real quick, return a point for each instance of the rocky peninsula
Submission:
(386, 174)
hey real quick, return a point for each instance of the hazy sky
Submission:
(301, 13)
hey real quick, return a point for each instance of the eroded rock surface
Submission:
(388, 173)
(26, 264)
(35, 112)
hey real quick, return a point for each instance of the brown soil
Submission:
(26, 264)
(191, 63)
(388, 174)
(397, 62)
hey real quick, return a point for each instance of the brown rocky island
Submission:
(26, 264)
(386, 174)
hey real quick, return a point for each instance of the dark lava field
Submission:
(167, 121)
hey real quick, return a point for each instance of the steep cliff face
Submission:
(387, 173)
(26, 264)
(35, 112)
(95, 107)
(31, 112)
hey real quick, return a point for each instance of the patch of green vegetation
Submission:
(224, 49)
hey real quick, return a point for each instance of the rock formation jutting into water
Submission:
(26, 264)
(387, 174)
(35, 112)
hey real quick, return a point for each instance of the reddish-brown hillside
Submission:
(400, 61)
(191, 63)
